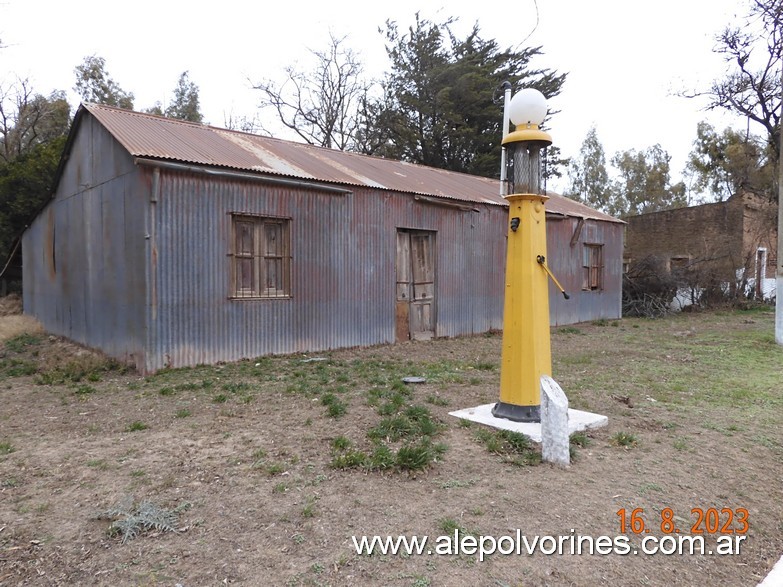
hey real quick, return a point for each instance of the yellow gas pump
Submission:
(526, 353)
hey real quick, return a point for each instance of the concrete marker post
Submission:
(555, 443)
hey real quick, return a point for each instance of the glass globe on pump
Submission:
(527, 143)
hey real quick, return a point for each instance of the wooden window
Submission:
(261, 257)
(677, 264)
(592, 267)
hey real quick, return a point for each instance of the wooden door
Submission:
(415, 309)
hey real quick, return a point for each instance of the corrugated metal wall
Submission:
(134, 260)
(343, 269)
(565, 260)
(84, 260)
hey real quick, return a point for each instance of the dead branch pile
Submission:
(648, 289)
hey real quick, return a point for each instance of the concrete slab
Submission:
(775, 577)
(577, 421)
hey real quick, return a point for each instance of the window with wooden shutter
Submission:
(592, 267)
(261, 258)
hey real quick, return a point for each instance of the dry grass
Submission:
(13, 322)
(16, 324)
(10, 304)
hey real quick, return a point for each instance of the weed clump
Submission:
(130, 519)
(341, 443)
(335, 407)
(411, 423)
(513, 447)
(23, 342)
(350, 459)
(413, 457)
(15, 358)
(624, 439)
(410, 427)
(75, 371)
(409, 457)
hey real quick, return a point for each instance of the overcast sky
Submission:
(625, 60)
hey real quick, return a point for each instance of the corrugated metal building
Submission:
(168, 243)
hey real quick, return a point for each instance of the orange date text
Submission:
(702, 521)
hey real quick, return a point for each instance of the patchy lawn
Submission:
(260, 472)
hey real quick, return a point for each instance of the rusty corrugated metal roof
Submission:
(147, 135)
(568, 207)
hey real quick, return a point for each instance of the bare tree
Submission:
(322, 105)
(751, 87)
(233, 121)
(28, 119)
(13, 100)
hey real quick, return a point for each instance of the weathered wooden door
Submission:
(415, 312)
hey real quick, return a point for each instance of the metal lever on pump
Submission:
(542, 261)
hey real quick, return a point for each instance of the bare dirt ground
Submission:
(245, 451)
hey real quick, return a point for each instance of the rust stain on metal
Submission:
(49, 244)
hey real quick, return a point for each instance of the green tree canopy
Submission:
(94, 84)
(25, 184)
(589, 179)
(643, 183)
(185, 105)
(156, 109)
(33, 130)
(725, 163)
(437, 107)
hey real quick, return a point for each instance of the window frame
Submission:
(592, 272)
(260, 258)
(678, 262)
